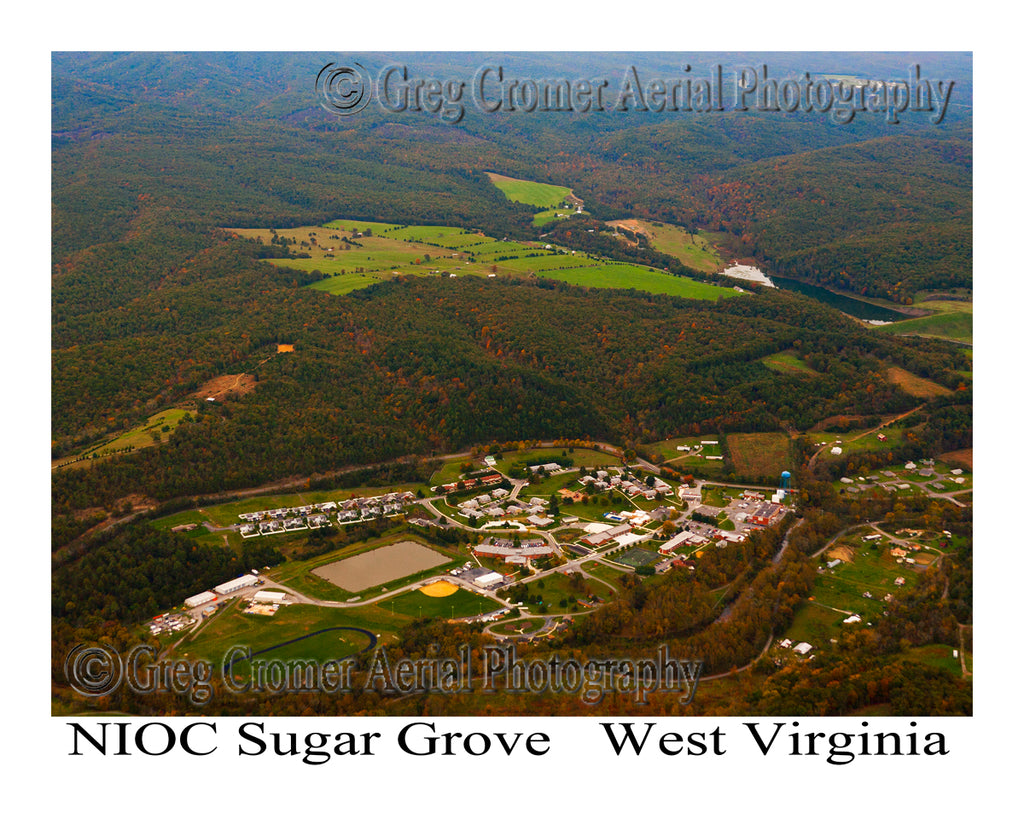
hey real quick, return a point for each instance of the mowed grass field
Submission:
(538, 194)
(759, 453)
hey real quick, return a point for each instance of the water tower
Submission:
(784, 482)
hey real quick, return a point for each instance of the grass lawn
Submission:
(580, 457)
(538, 194)
(557, 587)
(606, 573)
(715, 496)
(451, 471)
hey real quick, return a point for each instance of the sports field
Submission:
(420, 603)
(381, 565)
(636, 558)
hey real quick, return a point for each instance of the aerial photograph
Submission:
(512, 383)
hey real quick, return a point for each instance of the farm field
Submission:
(538, 194)
(523, 625)
(756, 454)
(915, 385)
(953, 320)
(418, 250)
(640, 278)
(693, 250)
(558, 589)
(953, 325)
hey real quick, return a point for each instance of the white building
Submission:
(200, 599)
(236, 584)
(275, 598)
(485, 581)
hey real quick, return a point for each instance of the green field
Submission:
(627, 276)
(421, 250)
(873, 571)
(788, 363)
(538, 194)
(937, 656)
(579, 455)
(815, 624)
(952, 320)
(954, 326)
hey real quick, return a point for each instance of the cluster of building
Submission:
(514, 552)
(630, 486)
(496, 505)
(317, 515)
